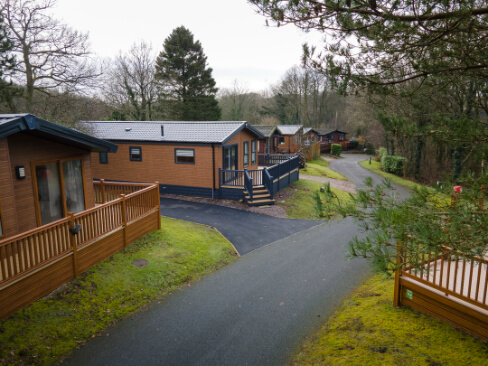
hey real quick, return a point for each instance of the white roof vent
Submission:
(127, 129)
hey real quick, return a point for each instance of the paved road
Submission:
(245, 230)
(256, 311)
(348, 166)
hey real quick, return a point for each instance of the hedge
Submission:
(336, 149)
(393, 164)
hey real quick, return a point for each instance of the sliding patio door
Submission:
(230, 157)
(59, 189)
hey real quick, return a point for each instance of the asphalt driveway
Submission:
(247, 231)
(257, 310)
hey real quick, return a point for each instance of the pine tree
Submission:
(188, 88)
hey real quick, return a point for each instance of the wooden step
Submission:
(254, 196)
(262, 202)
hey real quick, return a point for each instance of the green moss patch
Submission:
(298, 199)
(368, 330)
(179, 253)
(375, 166)
(318, 168)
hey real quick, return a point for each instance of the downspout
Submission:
(213, 169)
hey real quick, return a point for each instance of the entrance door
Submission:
(230, 158)
(54, 178)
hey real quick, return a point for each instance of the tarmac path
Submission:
(256, 311)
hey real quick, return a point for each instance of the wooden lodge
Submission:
(269, 141)
(289, 139)
(204, 159)
(51, 228)
(329, 137)
(310, 136)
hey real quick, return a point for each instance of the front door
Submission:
(230, 158)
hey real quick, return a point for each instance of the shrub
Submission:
(353, 144)
(393, 164)
(380, 153)
(336, 149)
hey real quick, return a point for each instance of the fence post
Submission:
(158, 200)
(73, 243)
(289, 171)
(124, 218)
(102, 189)
(396, 290)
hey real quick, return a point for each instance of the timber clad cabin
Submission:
(268, 144)
(310, 136)
(45, 172)
(289, 139)
(55, 222)
(186, 158)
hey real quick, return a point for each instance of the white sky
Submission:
(234, 37)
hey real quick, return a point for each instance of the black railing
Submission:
(273, 178)
(248, 184)
(272, 159)
(268, 181)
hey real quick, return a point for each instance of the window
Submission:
(230, 157)
(253, 152)
(135, 153)
(50, 179)
(184, 156)
(341, 137)
(246, 153)
(103, 157)
(282, 140)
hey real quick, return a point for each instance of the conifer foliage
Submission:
(187, 86)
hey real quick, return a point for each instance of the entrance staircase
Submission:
(260, 197)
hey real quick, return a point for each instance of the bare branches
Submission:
(130, 83)
(50, 55)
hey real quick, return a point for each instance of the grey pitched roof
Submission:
(267, 131)
(308, 129)
(163, 131)
(326, 132)
(288, 129)
(14, 123)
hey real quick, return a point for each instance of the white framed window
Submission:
(185, 156)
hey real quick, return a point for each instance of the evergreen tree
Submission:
(189, 90)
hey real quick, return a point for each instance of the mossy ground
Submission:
(318, 168)
(179, 253)
(299, 203)
(368, 330)
(375, 166)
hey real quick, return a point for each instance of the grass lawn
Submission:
(298, 202)
(376, 167)
(318, 167)
(368, 330)
(179, 253)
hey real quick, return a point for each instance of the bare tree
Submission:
(50, 55)
(130, 84)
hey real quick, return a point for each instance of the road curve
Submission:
(256, 311)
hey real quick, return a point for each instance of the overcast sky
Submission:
(234, 37)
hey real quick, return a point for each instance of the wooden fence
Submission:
(312, 152)
(451, 286)
(37, 262)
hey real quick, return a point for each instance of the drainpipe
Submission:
(213, 169)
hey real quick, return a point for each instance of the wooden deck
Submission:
(452, 288)
(36, 262)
